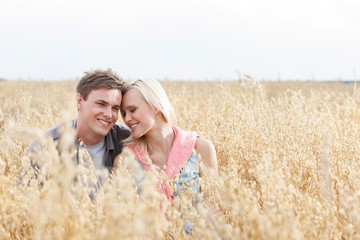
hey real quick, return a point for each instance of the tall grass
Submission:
(289, 158)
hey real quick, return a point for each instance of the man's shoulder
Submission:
(120, 131)
(55, 132)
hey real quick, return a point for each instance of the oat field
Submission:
(289, 163)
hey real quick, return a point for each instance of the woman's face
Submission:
(137, 114)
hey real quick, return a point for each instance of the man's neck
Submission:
(90, 141)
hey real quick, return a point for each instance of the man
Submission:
(98, 102)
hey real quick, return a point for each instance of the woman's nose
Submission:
(127, 117)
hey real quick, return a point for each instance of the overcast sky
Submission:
(183, 39)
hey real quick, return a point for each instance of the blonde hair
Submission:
(154, 94)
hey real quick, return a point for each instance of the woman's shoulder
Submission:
(202, 144)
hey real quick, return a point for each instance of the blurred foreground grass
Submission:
(289, 158)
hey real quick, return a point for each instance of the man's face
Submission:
(97, 114)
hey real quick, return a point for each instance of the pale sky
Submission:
(184, 39)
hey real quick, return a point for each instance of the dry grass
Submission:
(288, 154)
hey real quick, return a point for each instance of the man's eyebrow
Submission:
(105, 102)
(101, 101)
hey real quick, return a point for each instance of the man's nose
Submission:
(108, 111)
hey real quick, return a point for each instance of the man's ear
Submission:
(79, 101)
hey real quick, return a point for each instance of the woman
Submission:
(155, 140)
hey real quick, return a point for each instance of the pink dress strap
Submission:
(140, 155)
(180, 153)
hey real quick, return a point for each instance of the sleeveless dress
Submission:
(182, 168)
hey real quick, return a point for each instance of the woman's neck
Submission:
(161, 139)
(159, 144)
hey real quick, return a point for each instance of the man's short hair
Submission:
(97, 79)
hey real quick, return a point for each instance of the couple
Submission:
(153, 138)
